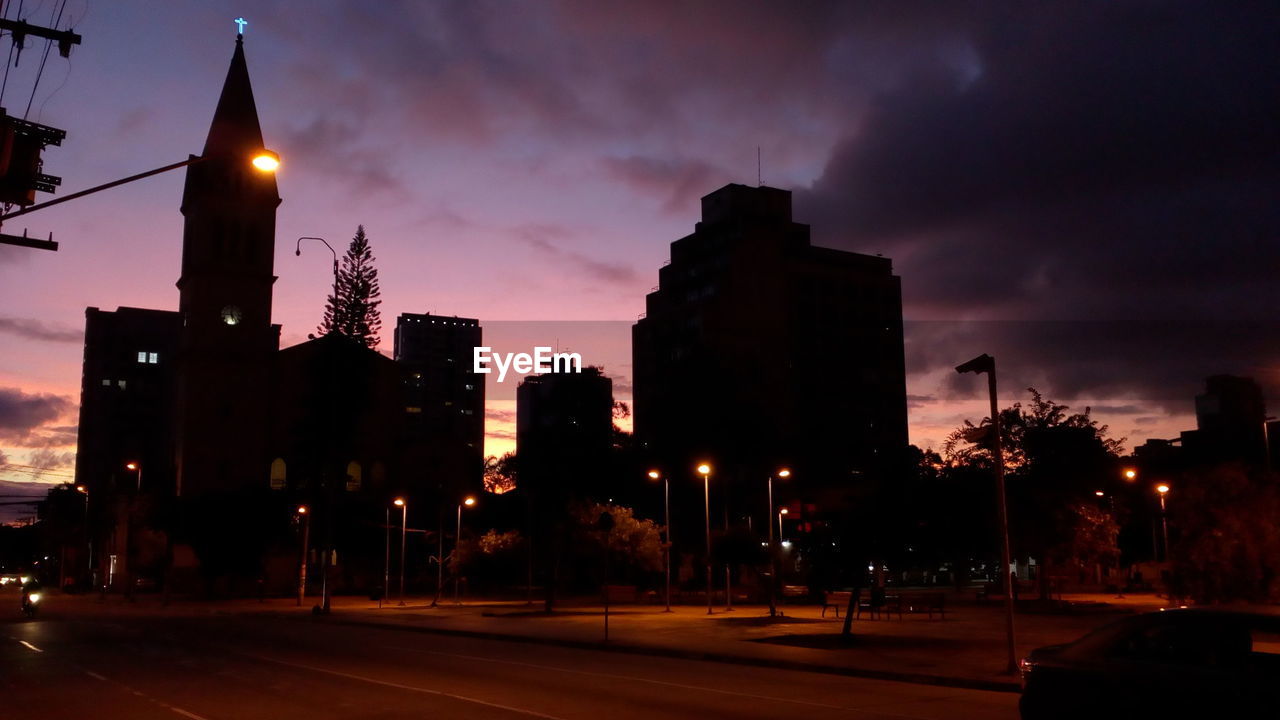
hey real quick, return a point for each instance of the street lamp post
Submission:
(262, 159)
(404, 517)
(386, 557)
(773, 550)
(128, 523)
(457, 542)
(986, 364)
(88, 537)
(306, 541)
(1163, 490)
(705, 471)
(297, 251)
(666, 549)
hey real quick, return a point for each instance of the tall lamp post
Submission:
(386, 557)
(88, 537)
(457, 542)
(666, 546)
(404, 517)
(773, 550)
(1162, 490)
(262, 160)
(128, 529)
(297, 251)
(986, 364)
(705, 471)
(302, 564)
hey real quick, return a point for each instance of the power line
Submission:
(48, 45)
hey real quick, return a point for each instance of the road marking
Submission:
(95, 675)
(666, 683)
(184, 713)
(410, 688)
(29, 646)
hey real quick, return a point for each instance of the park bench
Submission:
(617, 594)
(835, 599)
(923, 602)
(795, 592)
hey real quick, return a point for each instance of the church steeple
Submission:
(228, 342)
(235, 128)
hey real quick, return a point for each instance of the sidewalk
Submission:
(967, 649)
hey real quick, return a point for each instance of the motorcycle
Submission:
(30, 603)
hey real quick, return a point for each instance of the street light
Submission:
(666, 550)
(1130, 474)
(263, 160)
(986, 364)
(297, 252)
(88, 537)
(773, 551)
(457, 542)
(1162, 489)
(136, 467)
(404, 516)
(705, 471)
(305, 514)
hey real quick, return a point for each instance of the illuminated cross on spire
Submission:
(240, 23)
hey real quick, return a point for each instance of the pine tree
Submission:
(354, 310)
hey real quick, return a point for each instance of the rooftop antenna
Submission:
(759, 182)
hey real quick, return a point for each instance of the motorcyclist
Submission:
(30, 594)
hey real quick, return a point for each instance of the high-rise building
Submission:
(759, 349)
(564, 429)
(444, 394)
(1231, 423)
(127, 398)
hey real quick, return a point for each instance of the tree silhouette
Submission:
(354, 310)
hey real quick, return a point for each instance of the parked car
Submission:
(1185, 663)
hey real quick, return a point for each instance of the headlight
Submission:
(34, 598)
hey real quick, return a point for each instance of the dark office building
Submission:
(445, 396)
(1231, 420)
(127, 397)
(759, 349)
(564, 429)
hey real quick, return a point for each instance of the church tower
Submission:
(227, 340)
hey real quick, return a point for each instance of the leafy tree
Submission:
(1225, 540)
(354, 310)
(1055, 460)
(635, 545)
(500, 473)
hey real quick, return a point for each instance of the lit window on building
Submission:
(120, 384)
(413, 409)
(106, 382)
(153, 358)
(142, 356)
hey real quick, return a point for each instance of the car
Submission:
(1182, 663)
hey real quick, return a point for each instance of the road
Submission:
(246, 667)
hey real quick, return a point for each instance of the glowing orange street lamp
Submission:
(666, 546)
(1162, 490)
(303, 513)
(404, 517)
(705, 471)
(1130, 474)
(457, 542)
(784, 473)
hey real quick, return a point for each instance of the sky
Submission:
(1086, 191)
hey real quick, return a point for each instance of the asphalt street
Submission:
(246, 667)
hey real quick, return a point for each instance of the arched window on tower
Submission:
(277, 474)
(353, 476)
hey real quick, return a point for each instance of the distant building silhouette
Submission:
(127, 398)
(1230, 418)
(443, 393)
(759, 349)
(564, 429)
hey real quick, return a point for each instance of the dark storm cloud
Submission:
(1106, 176)
(22, 415)
(36, 330)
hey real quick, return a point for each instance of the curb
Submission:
(705, 656)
